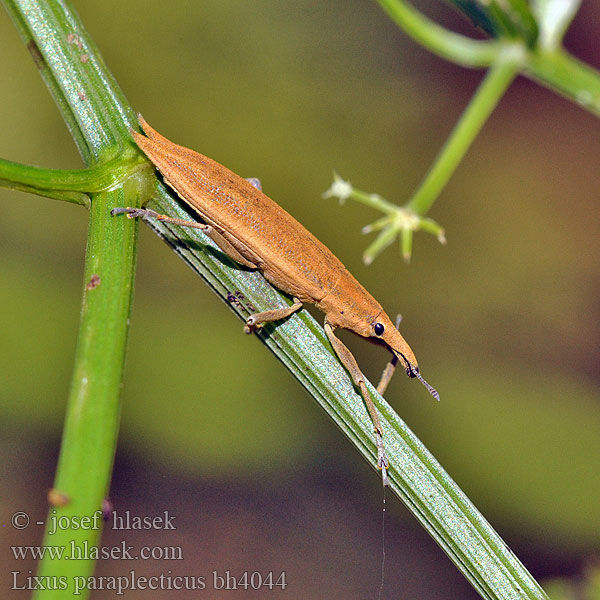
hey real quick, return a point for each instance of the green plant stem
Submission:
(451, 46)
(561, 72)
(93, 410)
(495, 83)
(89, 99)
(70, 185)
(92, 105)
(373, 201)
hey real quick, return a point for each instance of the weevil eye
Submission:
(378, 328)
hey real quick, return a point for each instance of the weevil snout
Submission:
(397, 344)
(385, 331)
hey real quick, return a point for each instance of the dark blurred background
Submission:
(504, 319)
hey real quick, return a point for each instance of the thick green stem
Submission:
(472, 120)
(89, 99)
(93, 107)
(92, 419)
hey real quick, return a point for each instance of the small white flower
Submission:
(339, 189)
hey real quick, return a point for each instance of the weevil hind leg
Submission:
(347, 359)
(257, 320)
(147, 213)
(222, 243)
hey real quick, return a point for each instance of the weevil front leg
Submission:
(257, 320)
(387, 374)
(347, 359)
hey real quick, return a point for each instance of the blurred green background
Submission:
(504, 319)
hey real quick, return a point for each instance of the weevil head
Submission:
(384, 330)
(350, 306)
(360, 313)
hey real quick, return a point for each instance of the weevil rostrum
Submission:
(256, 232)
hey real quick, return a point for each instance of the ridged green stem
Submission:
(93, 108)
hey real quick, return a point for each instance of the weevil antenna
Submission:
(429, 387)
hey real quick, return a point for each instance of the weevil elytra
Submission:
(257, 233)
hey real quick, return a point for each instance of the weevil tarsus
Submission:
(133, 213)
(382, 461)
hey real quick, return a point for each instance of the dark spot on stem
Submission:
(93, 283)
(38, 59)
(232, 298)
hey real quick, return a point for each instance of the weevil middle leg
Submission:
(257, 320)
(223, 244)
(390, 368)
